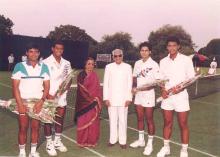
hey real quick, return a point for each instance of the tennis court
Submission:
(203, 122)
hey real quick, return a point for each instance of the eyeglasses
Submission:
(119, 56)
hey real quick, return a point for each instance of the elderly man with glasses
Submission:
(117, 96)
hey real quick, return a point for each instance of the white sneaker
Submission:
(51, 149)
(183, 153)
(36, 154)
(60, 146)
(137, 143)
(163, 151)
(148, 150)
(22, 155)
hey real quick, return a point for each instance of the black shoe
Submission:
(111, 145)
(123, 146)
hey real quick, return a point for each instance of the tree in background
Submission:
(5, 25)
(158, 40)
(120, 40)
(212, 50)
(213, 47)
(70, 32)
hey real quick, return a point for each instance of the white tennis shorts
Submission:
(145, 98)
(178, 102)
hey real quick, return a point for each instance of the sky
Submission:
(200, 18)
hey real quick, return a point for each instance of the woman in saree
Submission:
(88, 106)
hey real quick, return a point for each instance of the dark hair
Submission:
(87, 59)
(32, 46)
(57, 42)
(145, 44)
(173, 39)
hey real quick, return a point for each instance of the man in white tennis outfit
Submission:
(177, 68)
(146, 71)
(59, 68)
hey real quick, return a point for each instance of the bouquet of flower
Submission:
(181, 86)
(46, 115)
(157, 82)
(66, 83)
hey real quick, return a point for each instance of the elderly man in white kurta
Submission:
(117, 96)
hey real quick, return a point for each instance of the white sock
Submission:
(57, 136)
(33, 148)
(166, 143)
(184, 147)
(22, 149)
(49, 138)
(141, 135)
(150, 140)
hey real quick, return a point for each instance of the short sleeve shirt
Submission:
(58, 72)
(31, 79)
(176, 71)
(11, 59)
(146, 72)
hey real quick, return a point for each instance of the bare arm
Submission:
(17, 95)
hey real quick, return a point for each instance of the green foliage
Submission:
(213, 47)
(69, 32)
(5, 25)
(158, 40)
(119, 40)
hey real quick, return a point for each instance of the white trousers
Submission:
(118, 124)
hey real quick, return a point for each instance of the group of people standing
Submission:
(41, 80)
(120, 84)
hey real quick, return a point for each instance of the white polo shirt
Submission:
(176, 71)
(11, 59)
(24, 58)
(146, 72)
(58, 73)
(213, 64)
(31, 79)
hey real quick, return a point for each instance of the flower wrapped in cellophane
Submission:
(66, 83)
(157, 82)
(46, 115)
(181, 86)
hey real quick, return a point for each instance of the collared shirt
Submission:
(213, 64)
(146, 72)
(31, 79)
(58, 72)
(117, 83)
(24, 58)
(11, 59)
(176, 71)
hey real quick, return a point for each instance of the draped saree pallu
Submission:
(88, 107)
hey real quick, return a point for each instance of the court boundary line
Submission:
(89, 149)
(171, 141)
(66, 137)
(205, 102)
(5, 85)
